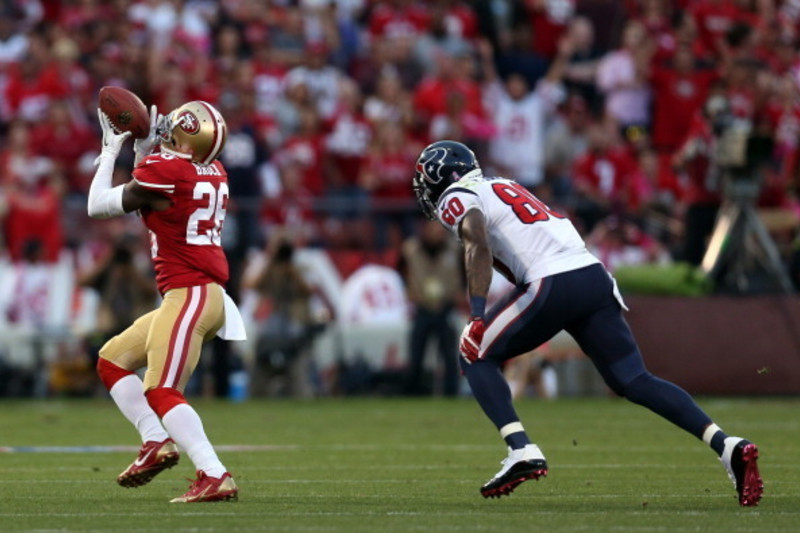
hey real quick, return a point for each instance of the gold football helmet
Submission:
(196, 126)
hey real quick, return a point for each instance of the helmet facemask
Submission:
(423, 194)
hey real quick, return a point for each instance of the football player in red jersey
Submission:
(181, 192)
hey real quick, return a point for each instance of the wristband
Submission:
(477, 306)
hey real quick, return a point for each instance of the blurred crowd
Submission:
(605, 109)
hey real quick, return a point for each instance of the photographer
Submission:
(125, 290)
(283, 338)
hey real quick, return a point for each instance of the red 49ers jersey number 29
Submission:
(186, 237)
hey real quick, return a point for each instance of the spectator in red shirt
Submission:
(385, 175)
(292, 209)
(33, 192)
(715, 18)
(346, 147)
(305, 148)
(603, 176)
(741, 92)
(679, 91)
(701, 198)
(618, 242)
(683, 34)
(549, 20)
(460, 18)
(398, 18)
(66, 143)
(32, 83)
(453, 76)
(655, 17)
(659, 192)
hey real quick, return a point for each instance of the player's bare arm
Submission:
(135, 197)
(477, 253)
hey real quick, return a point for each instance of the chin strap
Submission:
(170, 151)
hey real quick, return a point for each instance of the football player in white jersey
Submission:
(559, 285)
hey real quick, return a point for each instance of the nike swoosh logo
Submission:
(153, 161)
(141, 460)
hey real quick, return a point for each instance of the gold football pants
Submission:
(168, 340)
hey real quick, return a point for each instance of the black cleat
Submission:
(520, 465)
(740, 459)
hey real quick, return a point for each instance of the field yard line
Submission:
(331, 447)
(134, 449)
(284, 512)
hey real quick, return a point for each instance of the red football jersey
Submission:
(185, 238)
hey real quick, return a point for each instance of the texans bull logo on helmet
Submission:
(429, 164)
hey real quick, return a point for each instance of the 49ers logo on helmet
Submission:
(188, 122)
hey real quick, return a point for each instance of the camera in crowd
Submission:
(741, 147)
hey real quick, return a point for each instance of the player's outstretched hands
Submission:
(144, 147)
(471, 339)
(112, 141)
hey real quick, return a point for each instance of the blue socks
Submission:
(669, 401)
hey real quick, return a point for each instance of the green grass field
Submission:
(402, 465)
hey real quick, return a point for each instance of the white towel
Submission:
(233, 329)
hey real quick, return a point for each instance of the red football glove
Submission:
(471, 339)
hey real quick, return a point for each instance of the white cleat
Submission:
(520, 465)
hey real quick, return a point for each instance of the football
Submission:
(126, 111)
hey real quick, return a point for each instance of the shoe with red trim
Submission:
(520, 465)
(153, 458)
(210, 489)
(740, 458)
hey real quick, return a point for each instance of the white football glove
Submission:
(144, 147)
(112, 141)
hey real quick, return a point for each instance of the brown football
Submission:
(126, 111)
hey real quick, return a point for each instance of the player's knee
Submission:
(637, 386)
(481, 363)
(163, 399)
(621, 374)
(110, 373)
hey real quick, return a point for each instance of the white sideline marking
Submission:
(464, 512)
(114, 449)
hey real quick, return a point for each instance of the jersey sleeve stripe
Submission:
(165, 187)
(450, 191)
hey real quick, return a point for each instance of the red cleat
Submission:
(210, 489)
(153, 458)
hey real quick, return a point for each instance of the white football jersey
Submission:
(519, 143)
(528, 240)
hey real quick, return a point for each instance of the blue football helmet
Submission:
(438, 166)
